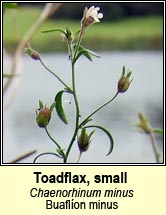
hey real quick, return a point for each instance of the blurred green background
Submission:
(125, 26)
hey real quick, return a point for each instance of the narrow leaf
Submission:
(77, 32)
(158, 131)
(93, 53)
(54, 30)
(82, 51)
(107, 133)
(59, 107)
(87, 54)
(80, 48)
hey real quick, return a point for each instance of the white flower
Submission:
(91, 16)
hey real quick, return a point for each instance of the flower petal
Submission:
(100, 16)
(91, 16)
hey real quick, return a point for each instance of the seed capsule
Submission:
(43, 117)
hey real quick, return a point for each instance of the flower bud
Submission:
(69, 35)
(124, 82)
(83, 141)
(144, 124)
(43, 117)
(32, 53)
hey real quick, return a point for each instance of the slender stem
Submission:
(46, 153)
(52, 138)
(74, 95)
(70, 51)
(154, 145)
(78, 44)
(77, 115)
(77, 161)
(54, 141)
(102, 106)
(66, 86)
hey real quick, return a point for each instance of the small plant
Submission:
(81, 136)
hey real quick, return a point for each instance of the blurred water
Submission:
(96, 83)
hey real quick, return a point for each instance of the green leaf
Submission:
(59, 107)
(107, 133)
(158, 131)
(77, 32)
(54, 30)
(41, 104)
(85, 53)
(82, 51)
(80, 48)
(93, 53)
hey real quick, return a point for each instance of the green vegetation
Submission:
(138, 33)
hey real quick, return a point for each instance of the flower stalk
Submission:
(56, 143)
(99, 108)
(90, 16)
(54, 74)
(75, 97)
